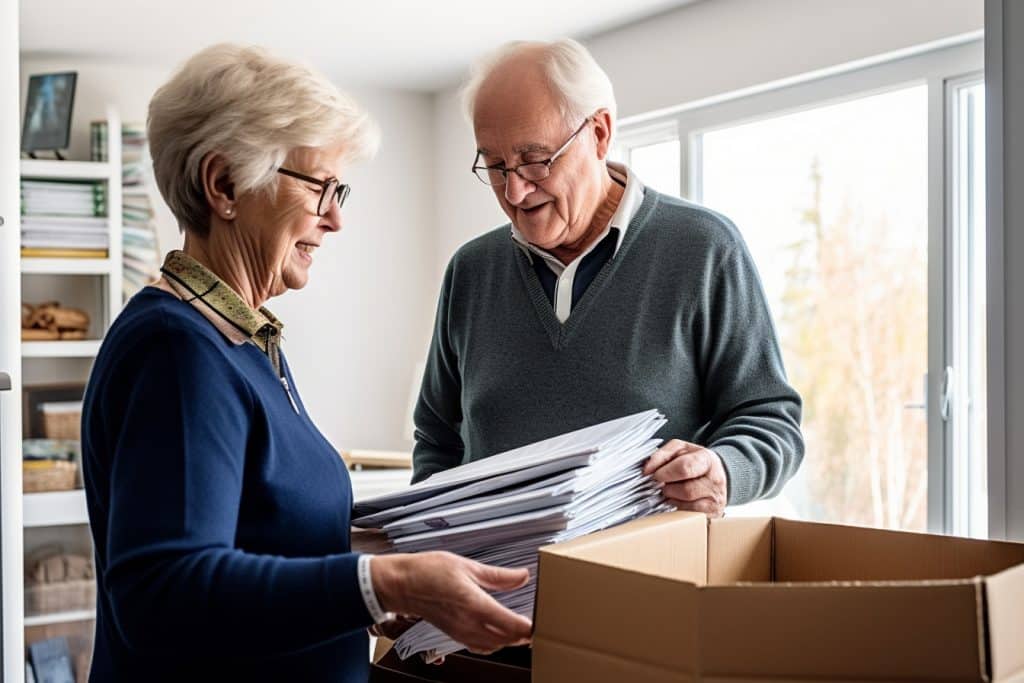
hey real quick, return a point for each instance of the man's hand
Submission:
(694, 477)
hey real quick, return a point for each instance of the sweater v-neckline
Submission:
(559, 333)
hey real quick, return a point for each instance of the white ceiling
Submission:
(412, 44)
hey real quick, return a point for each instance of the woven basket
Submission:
(62, 596)
(49, 475)
(62, 420)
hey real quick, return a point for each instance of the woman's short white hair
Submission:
(253, 108)
(571, 70)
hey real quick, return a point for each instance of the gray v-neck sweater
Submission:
(676, 320)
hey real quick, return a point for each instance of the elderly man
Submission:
(601, 298)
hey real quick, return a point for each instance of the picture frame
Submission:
(48, 109)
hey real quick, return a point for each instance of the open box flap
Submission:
(809, 551)
(1004, 597)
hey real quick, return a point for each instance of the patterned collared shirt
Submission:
(194, 283)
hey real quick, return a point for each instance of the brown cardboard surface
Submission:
(591, 604)
(739, 549)
(782, 601)
(381, 648)
(672, 545)
(783, 679)
(808, 551)
(1004, 595)
(831, 632)
(626, 615)
(555, 662)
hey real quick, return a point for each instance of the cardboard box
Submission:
(677, 598)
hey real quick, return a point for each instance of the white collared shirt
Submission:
(632, 197)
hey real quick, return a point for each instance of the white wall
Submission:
(356, 333)
(465, 207)
(1004, 105)
(702, 51)
(721, 46)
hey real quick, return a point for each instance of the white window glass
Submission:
(832, 202)
(657, 165)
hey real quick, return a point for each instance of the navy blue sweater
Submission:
(220, 517)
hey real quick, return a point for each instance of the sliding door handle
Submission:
(947, 393)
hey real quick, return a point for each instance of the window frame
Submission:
(938, 68)
(964, 516)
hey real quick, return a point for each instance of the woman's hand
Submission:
(448, 591)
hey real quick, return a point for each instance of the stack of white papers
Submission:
(501, 509)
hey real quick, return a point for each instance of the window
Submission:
(833, 204)
(654, 155)
(871, 255)
(966, 409)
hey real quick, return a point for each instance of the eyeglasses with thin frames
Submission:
(331, 188)
(533, 172)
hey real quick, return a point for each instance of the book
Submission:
(40, 252)
(51, 661)
(65, 222)
(63, 198)
(139, 238)
(65, 242)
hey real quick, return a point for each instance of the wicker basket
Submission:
(62, 596)
(62, 420)
(49, 475)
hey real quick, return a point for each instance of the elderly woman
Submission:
(219, 512)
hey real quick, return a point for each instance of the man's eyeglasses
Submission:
(534, 171)
(331, 190)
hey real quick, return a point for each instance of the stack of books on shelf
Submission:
(64, 219)
(141, 252)
(141, 255)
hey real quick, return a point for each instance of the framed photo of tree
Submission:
(48, 107)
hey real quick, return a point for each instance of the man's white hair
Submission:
(574, 76)
(254, 108)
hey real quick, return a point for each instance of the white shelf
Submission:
(60, 617)
(59, 513)
(66, 266)
(66, 170)
(370, 483)
(54, 508)
(86, 348)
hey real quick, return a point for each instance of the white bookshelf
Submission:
(60, 617)
(46, 169)
(111, 267)
(368, 483)
(63, 514)
(54, 508)
(67, 266)
(86, 348)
